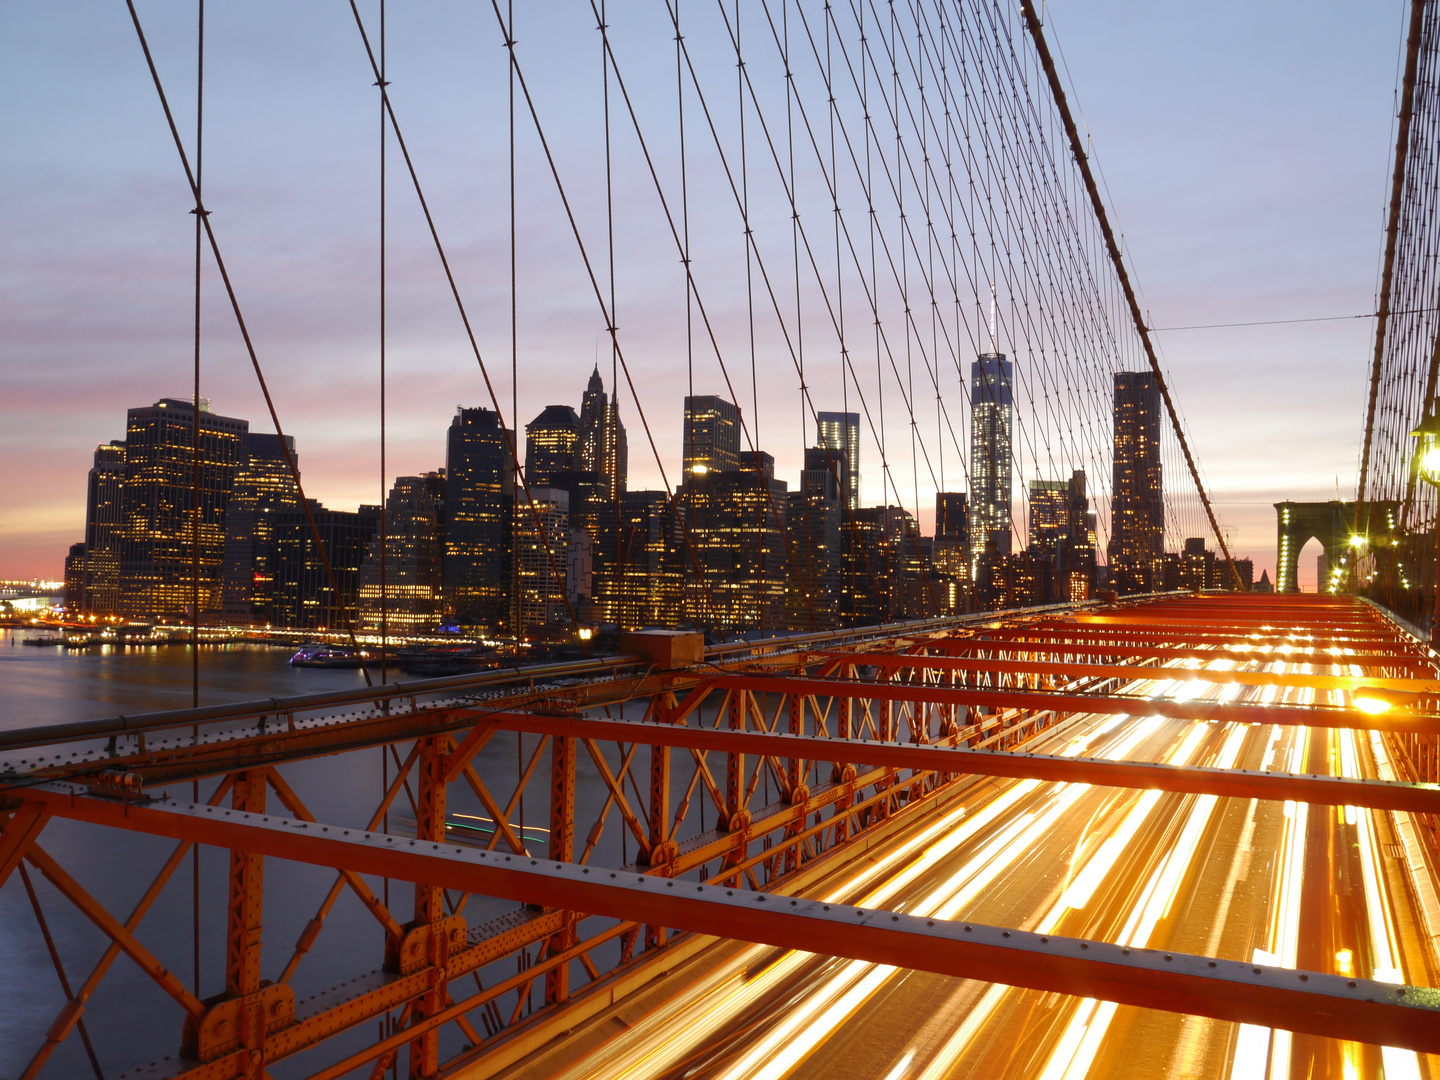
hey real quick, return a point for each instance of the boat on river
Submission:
(320, 655)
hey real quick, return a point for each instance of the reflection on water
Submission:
(51, 685)
(129, 1019)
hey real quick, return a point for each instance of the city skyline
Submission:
(1260, 265)
(542, 547)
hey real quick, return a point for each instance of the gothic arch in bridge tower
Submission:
(1332, 523)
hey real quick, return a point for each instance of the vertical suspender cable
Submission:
(195, 479)
(1387, 273)
(384, 531)
(230, 294)
(609, 449)
(514, 349)
(1077, 147)
(384, 539)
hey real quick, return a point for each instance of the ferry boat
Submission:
(319, 655)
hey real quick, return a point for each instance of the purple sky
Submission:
(1245, 150)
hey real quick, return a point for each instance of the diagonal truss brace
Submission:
(1145, 775)
(1308, 1002)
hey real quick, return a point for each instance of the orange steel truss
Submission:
(802, 753)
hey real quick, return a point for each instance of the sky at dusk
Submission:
(1245, 151)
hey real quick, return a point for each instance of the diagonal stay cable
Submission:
(464, 315)
(204, 216)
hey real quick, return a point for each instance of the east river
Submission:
(130, 1020)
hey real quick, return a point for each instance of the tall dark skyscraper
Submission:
(813, 524)
(950, 551)
(952, 516)
(712, 436)
(303, 596)
(1137, 533)
(1049, 516)
(650, 564)
(542, 557)
(992, 420)
(156, 548)
(75, 579)
(414, 556)
(840, 432)
(264, 488)
(551, 442)
(479, 501)
(602, 448)
(100, 594)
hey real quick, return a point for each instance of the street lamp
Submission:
(1427, 465)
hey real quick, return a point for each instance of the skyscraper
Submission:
(264, 488)
(414, 557)
(649, 564)
(304, 596)
(551, 442)
(992, 418)
(542, 559)
(823, 473)
(813, 523)
(1049, 516)
(1137, 533)
(952, 516)
(602, 447)
(479, 496)
(75, 579)
(712, 436)
(950, 552)
(840, 432)
(104, 522)
(162, 519)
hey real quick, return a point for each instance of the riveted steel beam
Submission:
(1308, 1002)
(1107, 704)
(920, 662)
(1144, 775)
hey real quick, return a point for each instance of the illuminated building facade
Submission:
(712, 436)
(650, 562)
(303, 596)
(812, 525)
(1062, 532)
(161, 517)
(542, 560)
(551, 440)
(840, 432)
(950, 551)
(104, 520)
(992, 421)
(75, 579)
(1137, 534)
(414, 549)
(479, 518)
(1049, 516)
(263, 488)
(602, 447)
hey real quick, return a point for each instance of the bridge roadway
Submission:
(928, 824)
(1313, 887)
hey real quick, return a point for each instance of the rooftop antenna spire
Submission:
(992, 317)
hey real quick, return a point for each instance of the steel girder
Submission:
(1076, 669)
(1310, 1002)
(1419, 798)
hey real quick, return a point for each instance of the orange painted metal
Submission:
(1076, 669)
(18, 831)
(1297, 1001)
(1112, 705)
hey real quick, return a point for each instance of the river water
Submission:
(129, 1019)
